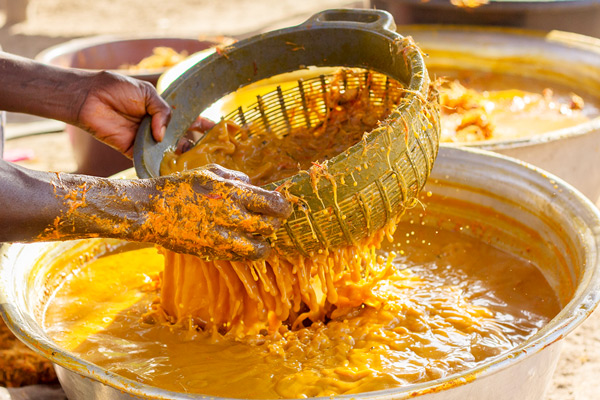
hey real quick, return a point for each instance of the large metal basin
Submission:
(513, 205)
(557, 57)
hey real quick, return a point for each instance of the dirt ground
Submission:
(54, 21)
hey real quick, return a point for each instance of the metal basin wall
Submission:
(567, 59)
(515, 207)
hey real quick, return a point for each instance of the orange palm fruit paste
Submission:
(348, 320)
(449, 305)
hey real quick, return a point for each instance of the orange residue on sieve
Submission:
(347, 114)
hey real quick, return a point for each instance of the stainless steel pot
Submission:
(557, 57)
(579, 16)
(516, 206)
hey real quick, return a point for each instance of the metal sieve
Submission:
(367, 185)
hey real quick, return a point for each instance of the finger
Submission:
(264, 225)
(266, 202)
(201, 124)
(226, 245)
(194, 136)
(159, 110)
(259, 248)
(226, 173)
(183, 144)
(205, 253)
(254, 223)
(231, 244)
(127, 153)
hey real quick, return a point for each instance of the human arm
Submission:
(209, 211)
(110, 106)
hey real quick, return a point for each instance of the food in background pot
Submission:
(162, 57)
(478, 106)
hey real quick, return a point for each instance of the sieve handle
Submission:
(377, 20)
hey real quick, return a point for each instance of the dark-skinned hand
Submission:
(219, 214)
(113, 107)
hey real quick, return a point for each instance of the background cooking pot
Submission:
(580, 16)
(567, 59)
(517, 208)
(110, 53)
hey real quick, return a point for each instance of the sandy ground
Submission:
(54, 21)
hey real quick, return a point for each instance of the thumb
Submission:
(160, 111)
